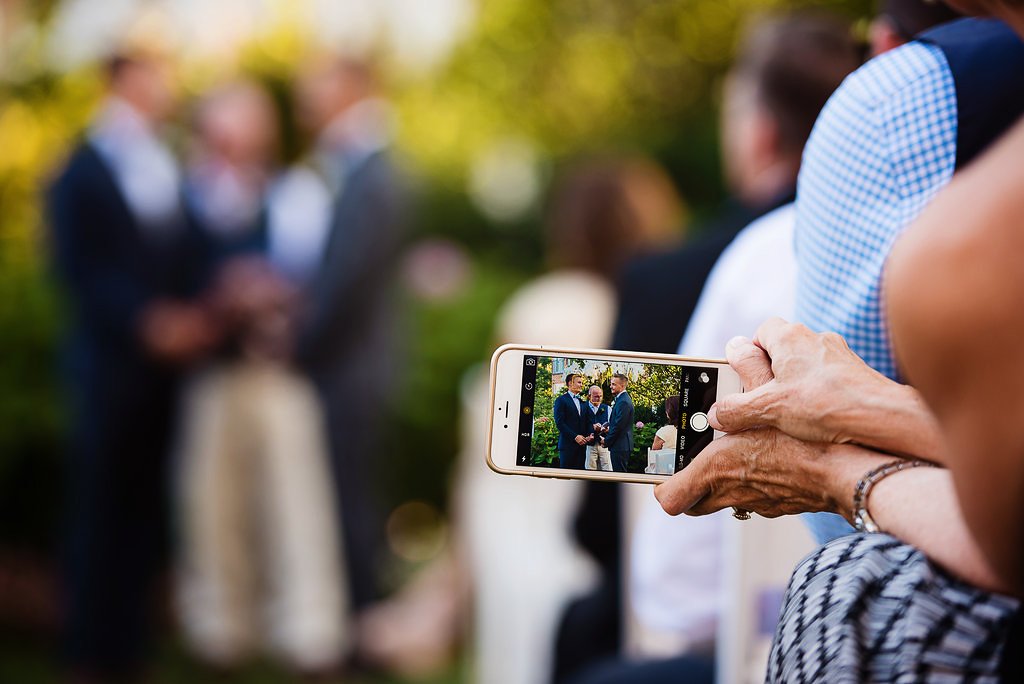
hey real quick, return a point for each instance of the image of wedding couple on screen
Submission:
(601, 415)
(591, 434)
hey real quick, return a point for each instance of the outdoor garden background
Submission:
(493, 96)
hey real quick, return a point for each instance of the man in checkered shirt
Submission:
(886, 142)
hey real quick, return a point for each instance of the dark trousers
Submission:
(620, 461)
(355, 444)
(115, 532)
(573, 457)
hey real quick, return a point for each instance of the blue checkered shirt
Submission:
(882, 147)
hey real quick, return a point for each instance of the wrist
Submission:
(846, 465)
(863, 520)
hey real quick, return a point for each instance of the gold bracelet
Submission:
(862, 519)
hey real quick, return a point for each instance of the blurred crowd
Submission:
(233, 340)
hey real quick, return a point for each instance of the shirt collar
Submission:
(118, 125)
(360, 131)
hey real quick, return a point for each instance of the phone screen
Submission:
(612, 415)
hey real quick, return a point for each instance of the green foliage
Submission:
(544, 447)
(568, 77)
(445, 339)
(642, 440)
(542, 399)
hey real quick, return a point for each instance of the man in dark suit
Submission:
(124, 253)
(571, 424)
(597, 415)
(619, 439)
(347, 338)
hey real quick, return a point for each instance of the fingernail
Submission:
(713, 417)
(737, 341)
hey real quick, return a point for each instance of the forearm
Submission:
(894, 419)
(919, 507)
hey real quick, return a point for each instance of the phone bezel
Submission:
(725, 374)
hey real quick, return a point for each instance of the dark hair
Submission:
(116, 64)
(601, 212)
(672, 408)
(570, 376)
(621, 377)
(910, 17)
(794, 63)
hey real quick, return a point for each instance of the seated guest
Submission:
(816, 430)
(524, 564)
(673, 625)
(665, 437)
(891, 137)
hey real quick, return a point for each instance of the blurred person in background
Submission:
(897, 22)
(513, 554)
(755, 277)
(524, 563)
(786, 69)
(346, 337)
(924, 111)
(127, 257)
(259, 561)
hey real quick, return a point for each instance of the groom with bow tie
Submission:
(572, 422)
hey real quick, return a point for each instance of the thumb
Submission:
(750, 362)
(737, 412)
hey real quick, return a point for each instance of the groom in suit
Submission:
(126, 255)
(570, 421)
(619, 438)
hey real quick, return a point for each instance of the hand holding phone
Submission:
(538, 420)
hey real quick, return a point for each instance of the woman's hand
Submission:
(813, 387)
(770, 473)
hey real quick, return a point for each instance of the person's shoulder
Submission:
(80, 166)
(890, 74)
(766, 237)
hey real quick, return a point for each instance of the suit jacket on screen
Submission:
(569, 421)
(620, 427)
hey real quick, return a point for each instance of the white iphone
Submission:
(602, 415)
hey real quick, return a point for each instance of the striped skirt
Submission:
(869, 608)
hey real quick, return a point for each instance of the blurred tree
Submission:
(556, 78)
